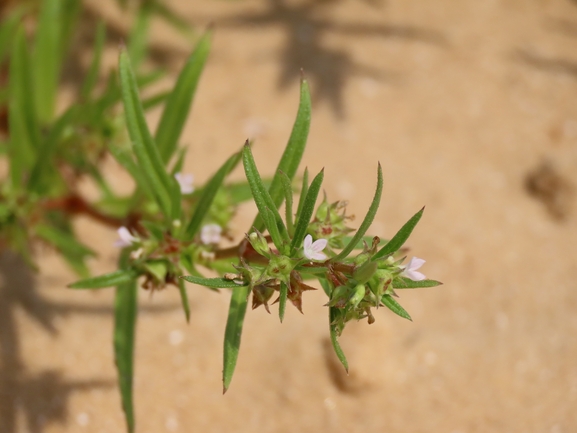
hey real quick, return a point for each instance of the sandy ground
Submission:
(470, 106)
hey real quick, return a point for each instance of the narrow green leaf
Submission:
(23, 124)
(112, 279)
(400, 238)
(304, 191)
(179, 102)
(294, 150)
(213, 283)
(270, 224)
(288, 194)
(306, 213)
(43, 163)
(63, 240)
(125, 312)
(208, 194)
(282, 300)
(138, 39)
(8, 27)
(184, 300)
(92, 75)
(162, 187)
(368, 218)
(46, 59)
(261, 196)
(233, 333)
(333, 315)
(70, 11)
(333, 312)
(395, 307)
(154, 100)
(407, 283)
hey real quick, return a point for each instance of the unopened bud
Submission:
(364, 272)
(358, 295)
(259, 243)
(339, 297)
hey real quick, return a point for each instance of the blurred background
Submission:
(471, 109)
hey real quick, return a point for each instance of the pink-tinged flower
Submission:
(410, 270)
(210, 234)
(185, 182)
(126, 238)
(313, 250)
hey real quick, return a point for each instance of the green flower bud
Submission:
(259, 243)
(358, 295)
(340, 297)
(364, 272)
(157, 269)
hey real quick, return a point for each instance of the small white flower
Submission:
(185, 182)
(313, 250)
(410, 270)
(126, 238)
(210, 234)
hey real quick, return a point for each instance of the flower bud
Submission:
(259, 243)
(364, 272)
(358, 295)
(157, 269)
(340, 297)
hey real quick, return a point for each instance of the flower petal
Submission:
(319, 245)
(210, 234)
(410, 270)
(125, 238)
(415, 263)
(308, 242)
(185, 182)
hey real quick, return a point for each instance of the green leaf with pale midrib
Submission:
(165, 189)
(92, 75)
(368, 218)
(179, 102)
(407, 283)
(23, 124)
(46, 61)
(214, 283)
(294, 150)
(262, 198)
(395, 307)
(400, 237)
(307, 210)
(233, 333)
(107, 280)
(125, 312)
(333, 312)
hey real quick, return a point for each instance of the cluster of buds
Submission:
(275, 270)
(330, 223)
(367, 284)
(162, 258)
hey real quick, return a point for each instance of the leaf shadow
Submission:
(305, 29)
(41, 397)
(547, 64)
